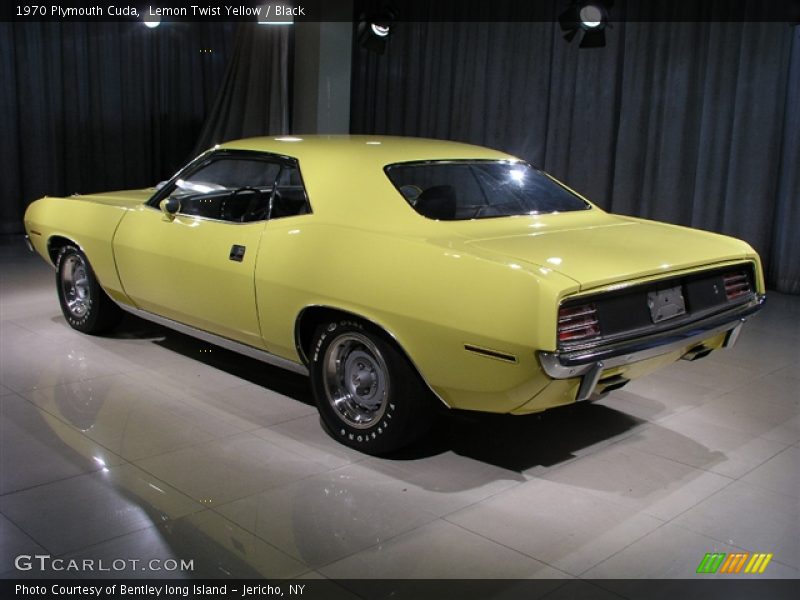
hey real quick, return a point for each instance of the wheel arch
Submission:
(56, 242)
(310, 317)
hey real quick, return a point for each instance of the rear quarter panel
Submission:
(431, 295)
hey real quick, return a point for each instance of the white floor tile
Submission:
(751, 518)
(225, 470)
(14, 543)
(202, 545)
(644, 482)
(443, 483)
(250, 406)
(36, 448)
(439, 550)
(327, 517)
(684, 439)
(88, 509)
(305, 436)
(779, 474)
(559, 524)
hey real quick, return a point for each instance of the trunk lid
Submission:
(613, 249)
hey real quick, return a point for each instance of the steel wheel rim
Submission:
(75, 285)
(356, 380)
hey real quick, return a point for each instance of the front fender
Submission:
(89, 225)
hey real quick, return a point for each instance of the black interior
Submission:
(438, 202)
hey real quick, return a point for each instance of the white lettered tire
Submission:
(85, 305)
(368, 394)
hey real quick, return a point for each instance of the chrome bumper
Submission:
(28, 243)
(589, 363)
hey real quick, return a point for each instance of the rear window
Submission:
(462, 190)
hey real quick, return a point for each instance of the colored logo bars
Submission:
(719, 562)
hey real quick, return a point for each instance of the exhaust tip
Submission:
(697, 353)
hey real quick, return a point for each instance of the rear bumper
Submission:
(589, 363)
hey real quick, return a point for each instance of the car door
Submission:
(196, 266)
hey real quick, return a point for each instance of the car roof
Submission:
(373, 149)
(344, 174)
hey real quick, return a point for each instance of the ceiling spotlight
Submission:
(380, 30)
(591, 16)
(374, 30)
(152, 21)
(587, 17)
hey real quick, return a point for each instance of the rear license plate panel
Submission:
(666, 304)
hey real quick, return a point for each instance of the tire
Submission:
(85, 305)
(368, 394)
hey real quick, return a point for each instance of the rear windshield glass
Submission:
(455, 191)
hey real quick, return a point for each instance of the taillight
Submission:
(736, 285)
(578, 323)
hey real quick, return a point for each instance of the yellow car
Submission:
(397, 272)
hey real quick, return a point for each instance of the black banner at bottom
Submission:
(399, 589)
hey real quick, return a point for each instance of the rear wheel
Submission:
(369, 396)
(85, 305)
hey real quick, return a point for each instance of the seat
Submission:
(257, 207)
(232, 208)
(437, 202)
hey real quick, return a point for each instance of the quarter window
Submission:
(290, 195)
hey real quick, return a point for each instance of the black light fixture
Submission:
(374, 30)
(589, 17)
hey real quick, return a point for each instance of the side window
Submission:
(229, 188)
(290, 196)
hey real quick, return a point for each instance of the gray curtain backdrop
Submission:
(784, 259)
(88, 107)
(690, 123)
(254, 98)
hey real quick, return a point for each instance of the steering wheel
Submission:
(250, 210)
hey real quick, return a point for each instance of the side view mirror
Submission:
(170, 207)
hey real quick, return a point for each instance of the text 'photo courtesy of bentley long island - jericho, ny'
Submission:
(399, 273)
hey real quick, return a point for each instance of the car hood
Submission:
(124, 198)
(614, 249)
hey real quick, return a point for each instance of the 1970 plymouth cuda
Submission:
(399, 271)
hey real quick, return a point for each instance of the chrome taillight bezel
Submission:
(737, 285)
(577, 324)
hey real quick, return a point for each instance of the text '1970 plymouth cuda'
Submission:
(399, 272)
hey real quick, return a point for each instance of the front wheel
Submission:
(368, 394)
(85, 305)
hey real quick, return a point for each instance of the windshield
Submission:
(461, 190)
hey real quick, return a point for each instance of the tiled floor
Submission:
(149, 444)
